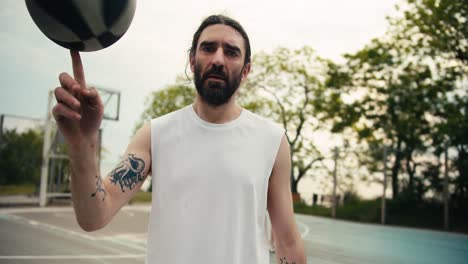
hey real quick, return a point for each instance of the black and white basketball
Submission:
(83, 25)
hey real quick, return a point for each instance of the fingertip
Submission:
(85, 92)
(63, 75)
(74, 52)
(76, 104)
(92, 92)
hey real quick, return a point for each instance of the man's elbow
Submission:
(90, 226)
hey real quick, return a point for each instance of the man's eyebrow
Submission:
(207, 43)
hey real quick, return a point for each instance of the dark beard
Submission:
(216, 93)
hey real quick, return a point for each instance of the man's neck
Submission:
(217, 114)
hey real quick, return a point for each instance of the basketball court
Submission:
(51, 235)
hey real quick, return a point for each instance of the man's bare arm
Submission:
(97, 200)
(79, 112)
(288, 242)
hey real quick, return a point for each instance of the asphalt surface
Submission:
(51, 235)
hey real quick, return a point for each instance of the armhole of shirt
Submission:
(278, 138)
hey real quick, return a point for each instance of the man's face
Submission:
(218, 64)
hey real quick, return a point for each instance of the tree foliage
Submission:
(406, 90)
(442, 23)
(20, 156)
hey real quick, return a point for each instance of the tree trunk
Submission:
(411, 171)
(296, 197)
(293, 184)
(462, 167)
(395, 170)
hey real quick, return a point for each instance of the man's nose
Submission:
(218, 57)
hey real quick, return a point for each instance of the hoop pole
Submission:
(45, 153)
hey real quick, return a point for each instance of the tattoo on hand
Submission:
(128, 173)
(284, 261)
(99, 188)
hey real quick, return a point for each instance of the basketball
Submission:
(83, 25)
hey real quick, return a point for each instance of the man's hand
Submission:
(79, 110)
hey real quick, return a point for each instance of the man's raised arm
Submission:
(79, 113)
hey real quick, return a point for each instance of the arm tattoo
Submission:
(99, 188)
(128, 173)
(285, 261)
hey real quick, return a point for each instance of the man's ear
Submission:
(245, 71)
(192, 63)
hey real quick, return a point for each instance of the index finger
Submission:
(78, 72)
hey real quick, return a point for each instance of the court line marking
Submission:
(76, 234)
(65, 257)
(129, 243)
(140, 208)
(306, 228)
(51, 227)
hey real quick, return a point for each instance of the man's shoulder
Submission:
(264, 127)
(170, 116)
(260, 120)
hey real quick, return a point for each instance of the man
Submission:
(216, 168)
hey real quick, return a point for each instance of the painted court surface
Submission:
(51, 235)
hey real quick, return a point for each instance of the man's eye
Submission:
(232, 53)
(207, 48)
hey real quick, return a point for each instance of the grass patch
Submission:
(23, 189)
(141, 197)
(302, 208)
(411, 214)
(361, 211)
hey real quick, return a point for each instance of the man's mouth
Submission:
(216, 77)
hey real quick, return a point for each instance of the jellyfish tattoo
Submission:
(128, 173)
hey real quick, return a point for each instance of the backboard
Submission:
(111, 100)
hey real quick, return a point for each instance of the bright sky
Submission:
(153, 51)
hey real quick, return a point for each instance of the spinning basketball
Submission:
(83, 25)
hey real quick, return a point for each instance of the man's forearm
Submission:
(88, 192)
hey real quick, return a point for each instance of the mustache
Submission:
(217, 71)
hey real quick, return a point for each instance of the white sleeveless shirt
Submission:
(210, 184)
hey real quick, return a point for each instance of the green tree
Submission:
(402, 86)
(442, 25)
(20, 156)
(394, 94)
(440, 28)
(451, 132)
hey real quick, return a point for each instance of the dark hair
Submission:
(224, 20)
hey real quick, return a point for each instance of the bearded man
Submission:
(216, 168)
